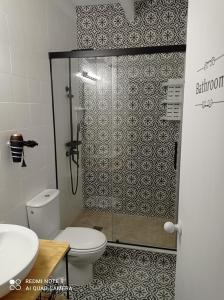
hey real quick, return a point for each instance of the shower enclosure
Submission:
(116, 153)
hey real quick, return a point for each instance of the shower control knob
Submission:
(171, 228)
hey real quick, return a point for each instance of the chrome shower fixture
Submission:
(88, 75)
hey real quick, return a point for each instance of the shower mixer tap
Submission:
(69, 92)
(73, 150)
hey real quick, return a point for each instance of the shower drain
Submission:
(99, 228)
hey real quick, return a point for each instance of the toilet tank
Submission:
(43, 214)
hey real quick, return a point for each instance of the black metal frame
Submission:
(67, 273)
(54, 128)
(117, 52)
(143, 246)
(52, 295)
(85, 53)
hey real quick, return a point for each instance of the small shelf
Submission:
(77, 108)
(171, 102)
(171, 118)
(174, 99)
(174, 82)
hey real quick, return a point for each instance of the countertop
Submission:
(50, 254)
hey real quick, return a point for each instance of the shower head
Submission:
(88, 75)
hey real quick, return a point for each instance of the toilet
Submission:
(87, 244)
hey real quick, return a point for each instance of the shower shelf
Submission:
(174, 99)
(171, 118)
(171, 102)
(79, 109)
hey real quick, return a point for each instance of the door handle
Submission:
(171, 228)
(175, 155)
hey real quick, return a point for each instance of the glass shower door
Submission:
(127, 177)
(95, 96)
(144, 177)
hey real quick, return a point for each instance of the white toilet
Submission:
(87, 244)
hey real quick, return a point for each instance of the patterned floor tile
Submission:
(128, 274)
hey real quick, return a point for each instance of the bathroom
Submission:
(119, 173)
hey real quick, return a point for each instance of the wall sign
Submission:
(212, 85)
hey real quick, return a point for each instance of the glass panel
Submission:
(144, 178)
(95, 96)
(83, 93)
(126, 176)
(70, 204)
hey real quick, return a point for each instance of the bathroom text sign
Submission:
(209, 85)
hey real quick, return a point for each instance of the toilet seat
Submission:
(82, 240)
(75, 252)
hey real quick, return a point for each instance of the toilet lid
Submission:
(82, 238)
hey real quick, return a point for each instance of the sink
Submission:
(18, 253)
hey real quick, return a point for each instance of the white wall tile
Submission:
(19, 60)
(8, 116)
(19, 88)
(16, 215)
(45, 92)
(39, 114)
(16, 20)
(25, 97)
(4, 33)
(11, 195)
(34, 90)
(5, 87)
(5, 58)
(33, 183)
(14, 116)
(22, 116)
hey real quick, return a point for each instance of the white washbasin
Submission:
(18, 252)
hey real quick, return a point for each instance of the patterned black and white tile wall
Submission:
(128, 151)
(157, 22)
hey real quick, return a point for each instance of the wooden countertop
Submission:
(50, 254)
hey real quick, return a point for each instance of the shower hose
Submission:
(74, 191)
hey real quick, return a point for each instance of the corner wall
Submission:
(29, 29)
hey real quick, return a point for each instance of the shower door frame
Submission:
(87, 53)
